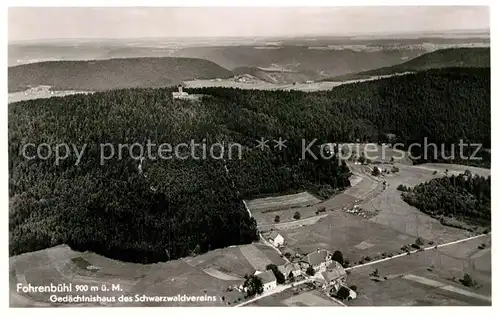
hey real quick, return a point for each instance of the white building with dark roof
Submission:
(319, 260)
(268, 279)
(276, 239)
(334, 276)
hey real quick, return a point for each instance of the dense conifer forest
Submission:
(156, 210)
(463, 197)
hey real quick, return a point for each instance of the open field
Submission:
(262, 85)
(393, 212)
(229, 260)
(308, 214)
(366, 189)
(293, 298)
(55, 265)
(453, 168)
(42, 91)
(257, 255)
(428, 278)
(281, 202)
(354, 236)
(208, 274)
(236, 261)
(363, 188)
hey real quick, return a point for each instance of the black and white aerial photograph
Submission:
(268, 156)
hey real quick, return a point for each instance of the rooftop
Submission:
(292, 266)
(274, 235)
(267, 276)
(333, 271)
(316, 258)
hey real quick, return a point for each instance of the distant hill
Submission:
(102, 75)
(316, 62)
(454, 57)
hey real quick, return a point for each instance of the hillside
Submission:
(170, 208)
(102, 75)
(316, 62)
(454, 57)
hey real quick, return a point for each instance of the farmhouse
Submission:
(276, 239)
(334, 276)
(268, 279)
(319, 260)
(288, 268)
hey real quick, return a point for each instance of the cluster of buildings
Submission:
(180, 94)
(328, 274)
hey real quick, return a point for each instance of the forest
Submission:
(464, 197)
(444, 58)
(101, 75)
(165, 209)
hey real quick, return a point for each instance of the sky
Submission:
(133, 22)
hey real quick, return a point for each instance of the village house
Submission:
(319, 260)
(334, 276)
(268, 279)
(288, 268)
(276, 239)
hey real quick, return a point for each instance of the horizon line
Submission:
(344, 35)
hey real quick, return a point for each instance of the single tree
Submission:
(296, 216)
(402, 187)
(280, 278)
(338, 257)
(343, 293)
(254, 285)
(419, 241)
(468, 281)
(375, 171)
(310, 271)
(346, 262)
(277, 219)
